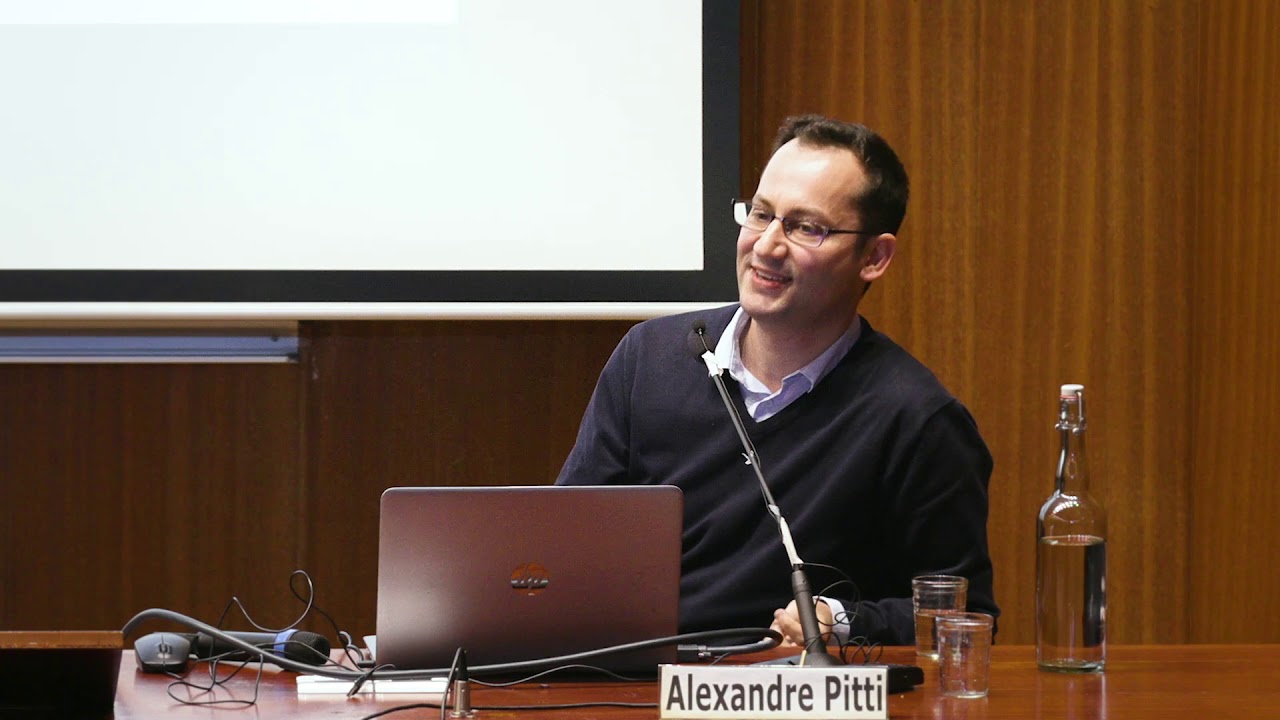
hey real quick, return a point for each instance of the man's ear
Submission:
(877, 256)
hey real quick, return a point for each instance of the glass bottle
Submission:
(1071, 556)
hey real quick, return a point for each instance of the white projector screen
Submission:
(333, 158)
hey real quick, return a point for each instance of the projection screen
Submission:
(366, 158)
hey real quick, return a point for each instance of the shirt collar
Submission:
(729, 352)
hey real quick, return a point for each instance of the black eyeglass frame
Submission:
(742, 213)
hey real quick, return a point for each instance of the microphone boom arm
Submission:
(715, 371)
(815, 648)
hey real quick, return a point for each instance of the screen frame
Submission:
(99, 292)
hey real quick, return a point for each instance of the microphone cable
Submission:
(769, 639)
(296, 647)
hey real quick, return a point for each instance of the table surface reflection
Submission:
(1140, 681)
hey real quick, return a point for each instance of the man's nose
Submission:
(773, 239)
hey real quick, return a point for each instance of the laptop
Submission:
(523, 573)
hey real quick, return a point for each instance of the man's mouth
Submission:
(770, 277)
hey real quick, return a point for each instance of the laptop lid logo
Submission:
(530, 579)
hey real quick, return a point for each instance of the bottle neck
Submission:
(1072, 476)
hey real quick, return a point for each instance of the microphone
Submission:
(297, 645)
(815, 649)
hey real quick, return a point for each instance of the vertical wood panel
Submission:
(1235, 539)
(127, 487)
(433, 403)
(1083, 112)
(908, 70)
(1044, 244)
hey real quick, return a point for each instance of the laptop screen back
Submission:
(523, 573)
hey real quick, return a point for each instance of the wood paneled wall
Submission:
(442, 403)
(1234, 536)
(1094, 191)
(1053, 205)
(124, 487)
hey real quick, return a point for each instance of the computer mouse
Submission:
(162, 652)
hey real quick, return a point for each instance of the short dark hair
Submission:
(883, 204)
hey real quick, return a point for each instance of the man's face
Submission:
(809, 289)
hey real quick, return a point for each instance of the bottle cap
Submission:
(1069, 391)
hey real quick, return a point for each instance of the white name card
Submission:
(782, 693)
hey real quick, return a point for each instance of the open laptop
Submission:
(523, 573)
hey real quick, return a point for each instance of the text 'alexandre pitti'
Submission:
(772, 692)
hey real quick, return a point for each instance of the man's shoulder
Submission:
(894, 375)
(675, 329)
(884, 383)
(654, 349)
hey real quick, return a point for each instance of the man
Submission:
(878, 470)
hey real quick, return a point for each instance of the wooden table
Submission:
(1151, 681)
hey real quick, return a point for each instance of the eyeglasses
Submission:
(803, 232)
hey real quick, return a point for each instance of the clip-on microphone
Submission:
(815, 648)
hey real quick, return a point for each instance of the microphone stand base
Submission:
(818, 659)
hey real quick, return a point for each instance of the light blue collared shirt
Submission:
(761, 402)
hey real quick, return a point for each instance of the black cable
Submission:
(569, 706)
(562, 668)
(263, 653)
(345, 641)
(861, 647)
(458, 672)
(215, 682)
(855, 596)
(310, 601)
(309, 605)
(771, 639)
(509, 708)
(366, 676)
(857, 648)
(850, 613)
(448, 682)
(718, 658)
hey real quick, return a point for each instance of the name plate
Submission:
(752, 691)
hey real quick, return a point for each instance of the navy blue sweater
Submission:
(878, 470)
